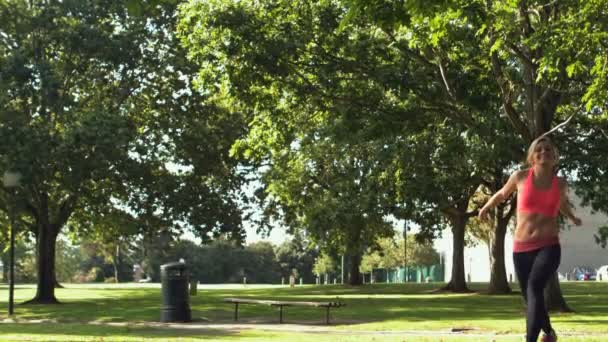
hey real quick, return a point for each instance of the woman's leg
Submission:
(545, 264)
(523, 262)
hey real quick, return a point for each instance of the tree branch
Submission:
(444, 79)
(522, 56)
(66, 209)
(543, 97)
(558, 126)
(406, 51)
(507, 94)
(457, 113)
(523, 13)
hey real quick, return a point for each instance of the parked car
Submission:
(583, 273)
(602, 273)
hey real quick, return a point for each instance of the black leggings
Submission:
(534, 269)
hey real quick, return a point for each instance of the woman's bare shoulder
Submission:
(520, 175)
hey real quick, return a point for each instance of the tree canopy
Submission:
(99, 114)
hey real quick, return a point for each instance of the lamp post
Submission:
(405, 270)
(342, 269)
(10, 180)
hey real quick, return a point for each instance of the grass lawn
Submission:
(380, 312)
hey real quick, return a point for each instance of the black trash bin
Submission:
(176, 301)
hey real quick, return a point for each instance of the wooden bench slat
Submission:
(282, 303)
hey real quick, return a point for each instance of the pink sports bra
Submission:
(533, 200)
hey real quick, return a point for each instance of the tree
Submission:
(316, 176)
(492, 233)
(67, 260)
(544, 57)
(155, 251)
(113, 233)
(371, 260)
(224, 261)
(389, 253)
(330, 100)
(193, 256)
(99, 113)
(421, 253)
(334, 197)
(21, 259)
(297, 254)
(440, 44)
(602, 237)
(262, 265)
(540, 77)
(92, 266)
(324, 264)
(460, 64)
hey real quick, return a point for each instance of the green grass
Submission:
(126, 313)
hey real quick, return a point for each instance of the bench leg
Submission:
(236, 311)
(280, 313)
(327, 316)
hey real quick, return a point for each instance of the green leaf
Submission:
(135, 8)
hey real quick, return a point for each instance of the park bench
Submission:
(281, 304)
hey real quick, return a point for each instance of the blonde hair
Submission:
(532, 148)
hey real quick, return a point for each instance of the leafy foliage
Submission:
(390, 254)
(100, 115)
(324, 264)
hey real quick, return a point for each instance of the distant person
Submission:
(536, 249)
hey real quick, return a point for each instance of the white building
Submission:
(579, 248)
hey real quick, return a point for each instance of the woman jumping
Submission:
(536, 249)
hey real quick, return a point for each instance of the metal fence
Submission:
(412, 274)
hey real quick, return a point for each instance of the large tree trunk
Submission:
(554, 300)
(457, 282)
(355, 275)
(498, 273)
(45, 255)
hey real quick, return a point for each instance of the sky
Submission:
(277, 235)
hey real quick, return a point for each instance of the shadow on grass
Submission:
(4, 286)
(367, 304)
(97, 332)
(396, 304)
(405, 303)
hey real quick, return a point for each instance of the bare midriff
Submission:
(535, 226)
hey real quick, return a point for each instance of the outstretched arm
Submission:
(564, 205)
(499, 196)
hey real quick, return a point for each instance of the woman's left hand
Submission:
(577, 221)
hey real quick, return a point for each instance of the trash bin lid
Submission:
(173, 266)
